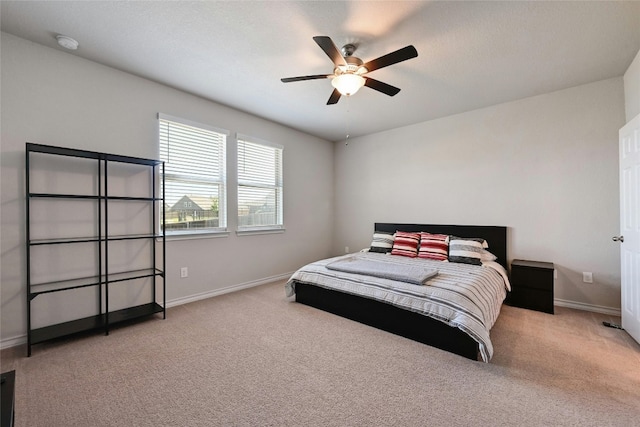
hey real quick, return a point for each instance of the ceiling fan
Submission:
(349, 73)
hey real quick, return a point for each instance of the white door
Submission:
(630, 226)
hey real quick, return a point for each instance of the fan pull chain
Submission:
(346, 142)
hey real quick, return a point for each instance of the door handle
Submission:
(618, 239)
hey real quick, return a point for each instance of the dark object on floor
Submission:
(7, 416)
(612, 325)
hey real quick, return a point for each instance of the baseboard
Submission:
(228, 289)
(587, 307)
(13, 342)
(22, 339)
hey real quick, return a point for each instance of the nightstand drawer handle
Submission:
(618, 239)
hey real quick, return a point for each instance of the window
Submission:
(259, 185)
(195, 184)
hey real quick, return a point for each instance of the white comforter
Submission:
(464, 296)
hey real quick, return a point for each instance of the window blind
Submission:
(195, 183)
(260, 184)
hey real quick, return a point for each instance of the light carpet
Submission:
(257, 358)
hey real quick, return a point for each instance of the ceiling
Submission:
(471, 54)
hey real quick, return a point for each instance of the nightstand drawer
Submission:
(531, 285)
(533, 299)
(535, 278)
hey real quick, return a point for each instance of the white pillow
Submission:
(485, 255)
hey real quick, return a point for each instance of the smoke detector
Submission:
(67, 42)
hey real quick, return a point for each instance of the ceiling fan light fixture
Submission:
(348, 84)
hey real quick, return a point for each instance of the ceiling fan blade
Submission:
(381, 87)
(327, 45)
(335, 96)
(399, 55)
(301, 78)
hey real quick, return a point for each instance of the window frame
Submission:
(221, 230)
(278, 187)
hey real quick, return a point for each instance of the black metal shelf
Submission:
(134, 198)
(93, 197)
(134, 274)
(133, 237)
(63, 285)
(84, 282)
(103, 241)
(65, 240)
(72, 152)
(92, 323)
(64, 196)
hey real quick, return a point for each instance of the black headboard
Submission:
(495, 236)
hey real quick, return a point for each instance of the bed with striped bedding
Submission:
(454, 311)
(463, 296)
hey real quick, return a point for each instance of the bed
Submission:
(423, 313)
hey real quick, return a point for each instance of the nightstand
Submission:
(531, 285)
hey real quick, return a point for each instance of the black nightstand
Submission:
(531, 285)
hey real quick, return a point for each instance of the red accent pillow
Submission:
(434, 246)
(405, 244)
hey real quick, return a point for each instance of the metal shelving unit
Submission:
(101, 241)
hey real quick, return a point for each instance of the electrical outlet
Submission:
(184, 272)
(346, 249)
(587, 277)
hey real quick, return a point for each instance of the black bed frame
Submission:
(396, 320)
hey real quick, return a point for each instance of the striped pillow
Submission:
(382, 242)
(405, 244)
(466, 250)
(434, 246)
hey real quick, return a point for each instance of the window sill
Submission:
(258, 230)
(197, 235)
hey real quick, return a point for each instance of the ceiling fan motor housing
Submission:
(354, 66)
(348, 49)
(354, 63)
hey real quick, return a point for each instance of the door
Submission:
(630, 226)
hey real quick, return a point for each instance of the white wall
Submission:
(52, 97)
(632, 89)
(546, 167)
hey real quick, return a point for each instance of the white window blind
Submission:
(195, 175)
(259, 185)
